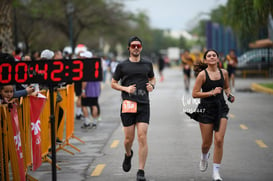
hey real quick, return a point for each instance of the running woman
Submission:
(212, 111)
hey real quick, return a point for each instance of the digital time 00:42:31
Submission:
(50, 71)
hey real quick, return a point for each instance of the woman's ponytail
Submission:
(199, 67)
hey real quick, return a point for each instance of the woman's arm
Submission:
(196, 92)
(226, 85)
(231, 98)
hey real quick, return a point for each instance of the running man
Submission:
(232, 65)
(137, 80)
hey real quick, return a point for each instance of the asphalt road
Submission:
(174, 139)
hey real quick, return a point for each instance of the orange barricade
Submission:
(67, 104)
(60, 117)
(1, 148)
(45, 126)
(4, 144)
(64, 132)
(9, 145)
(60, 112)
(46, 130)
(70, 112)
(26, 130)
(70, 116)
(2, 173)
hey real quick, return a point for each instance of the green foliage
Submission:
(51, 19)
(45, 24)
(268, 85)
(218, 15)
(246, 17)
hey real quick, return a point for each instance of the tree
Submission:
(6, 25)
(248, 18)
(51, 20)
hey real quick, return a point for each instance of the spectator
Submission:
(35, 55)
(89, 98)
(18, 54)
(6, 94)
(113, 65)
(47, 54)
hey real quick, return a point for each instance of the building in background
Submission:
(220, 38)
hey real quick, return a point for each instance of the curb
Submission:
(258, 88)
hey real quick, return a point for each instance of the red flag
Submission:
(36, 107)
(17, 140)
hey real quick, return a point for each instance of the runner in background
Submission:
(187, 63)
(161, 65)
(231, 68)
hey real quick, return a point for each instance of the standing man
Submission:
(137, 80)
(90, 98)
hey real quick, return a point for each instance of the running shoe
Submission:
(79, 117)
(216, 177)
(94, 125)
(126, 165)
(86, 126)
(58, 141)
(141, 175)
(204, 164)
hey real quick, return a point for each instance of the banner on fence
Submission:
(36, 106)
(17, 140)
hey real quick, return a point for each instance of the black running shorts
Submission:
(142, 115)
(89, 101)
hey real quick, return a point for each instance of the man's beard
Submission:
(135, 54)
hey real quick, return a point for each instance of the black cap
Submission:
(134, 38)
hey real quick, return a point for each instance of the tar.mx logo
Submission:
(189, 104)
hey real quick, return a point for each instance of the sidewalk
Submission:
(259, 88)
(252, 84)
(75, 167)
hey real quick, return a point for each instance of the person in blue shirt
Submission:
(89, 98)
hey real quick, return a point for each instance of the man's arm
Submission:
(130, 89)
(150, 86)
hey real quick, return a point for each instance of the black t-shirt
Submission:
(135, 73)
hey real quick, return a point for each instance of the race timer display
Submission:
(50, 71)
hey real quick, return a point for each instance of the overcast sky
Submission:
(173, 14)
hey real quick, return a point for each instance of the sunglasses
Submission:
(133, 46)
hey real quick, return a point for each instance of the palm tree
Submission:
(248, 18)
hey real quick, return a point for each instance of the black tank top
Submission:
(212, 84)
